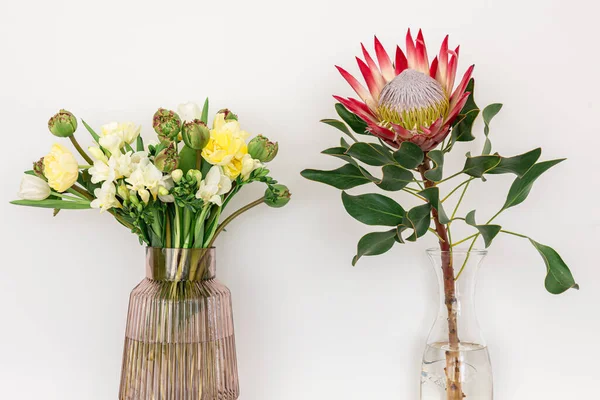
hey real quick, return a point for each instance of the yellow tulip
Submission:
(226, 146)
(60, 168)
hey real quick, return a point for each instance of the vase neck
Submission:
(180, 264)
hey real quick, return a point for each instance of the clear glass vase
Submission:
(179, 341)
(456, 364)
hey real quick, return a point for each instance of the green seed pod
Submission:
(63, 124)
(277, 196)
(260, 148)
(166, 124)
(195, 134)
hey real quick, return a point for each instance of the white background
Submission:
(309, 326)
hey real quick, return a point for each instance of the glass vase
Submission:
(456, 364)
(179, 340)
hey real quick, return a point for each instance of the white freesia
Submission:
(248, 165)
(146, 177)
(121, 164)
(33, 188)
(105, 197)
(113, 136)
(101, 172)
(167, 186)
(189, 111)
(116, 167)
(213, 186)
(97, 153)
(144, 195)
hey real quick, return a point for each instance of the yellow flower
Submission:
(61, 168)
(226, 146)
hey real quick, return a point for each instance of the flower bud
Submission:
(163, 191)
(133, 197)
(177, 175)
(228, 115)
(195, 134)
(277, 196)
(123, 192)
(167, 124)
(38, 168)
(167, 159)
(63, 124)
(194, 175)
(260, 148)
(33, 188)
(145, 196)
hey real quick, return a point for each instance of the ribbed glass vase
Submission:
(179, 341)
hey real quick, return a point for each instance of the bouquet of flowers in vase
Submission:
(170, 193)
(406, 122)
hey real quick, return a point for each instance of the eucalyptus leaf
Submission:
(337, 124)
(521, 187)
(373, 209)
(517, 165)
(354, 122)
(345, 177)
(395, 178)
(409, 155)
(418, 219)
(344, 144)
(373, 244)
(488, 232)
(435, 174)
(479, 165)
(488, 113)
(558, 277)
(370, 153)
(432, 194)
(339, 152)
(54, 204)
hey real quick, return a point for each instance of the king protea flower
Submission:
(410, 99)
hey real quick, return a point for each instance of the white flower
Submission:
(116, 167)
(167, 185)
(101, 172)
(33, 188)
(213, 186)
(113, 136)
(97, 153)
(105, 197)
(248, 165)
(146, 176)
(189, 111)
(144, 195)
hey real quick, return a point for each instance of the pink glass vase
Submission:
(179, 341)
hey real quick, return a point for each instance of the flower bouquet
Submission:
(406, 122)
(171, 193)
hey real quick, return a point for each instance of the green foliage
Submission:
(337, 124)
(343, 178)
(462, 129)
(187, 159)
(435, 174)
(395, 178)
(432, 194)
(488, 232)
(354, 122)
(55, 204)
(204, 116)
(375, 243)
(517, 165)
(488, 113)
(91, 131)
(373, 209)
(409, 155)
(418, 219)
(370, 153)
(521, 187)
(558, 278)
(479, 165)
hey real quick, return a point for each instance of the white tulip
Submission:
(33, 188)
(189, 111)
(213, 186)
(113, 136)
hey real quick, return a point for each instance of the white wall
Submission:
(309, 326)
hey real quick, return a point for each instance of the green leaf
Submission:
(479, 165)
(204, 116)
(55, 204)
(344, 144)
(521, 187)
(91, 131)
(369, 153)
(462, 128)
(517, 165)
(345, 177)
(488, 113)
(373, 209)
(375, 243)
(139, 143)
(435, 174)
(337, 124)
(432, 195)
(354, 122)
(187, 159)
(418, 219)
(558, 277)
(488, 232)
(409, 155)
(339, 152)
(395, 178)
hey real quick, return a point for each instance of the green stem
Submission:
(81, 191)
(177, 228)
(464, 240)
(233, 216)
(80, 150)
(77, 199)
(198, 159)
(414, 194)
(460, 199)
(450, 177)
(456, 188)
(212, 227)
(436, 234)
(85, 166)
(514, 234)
(199, 228)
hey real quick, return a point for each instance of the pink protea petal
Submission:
(385, 63)
(411, 52)
(401, 61)
(434, 67)
(460, 89)
(374, 69)
(402, 132)
(452, 71)
(372, 81)
(382, 132)
(456, 108)
(422, 59)
(360, 90)
(357, 108)
(442, 70)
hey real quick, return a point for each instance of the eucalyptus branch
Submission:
(464, 240)
(436, 234)
(232, 217)
(80, 150)
(450, 177)
(514, 234)
(414, 194)
(456, 188)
